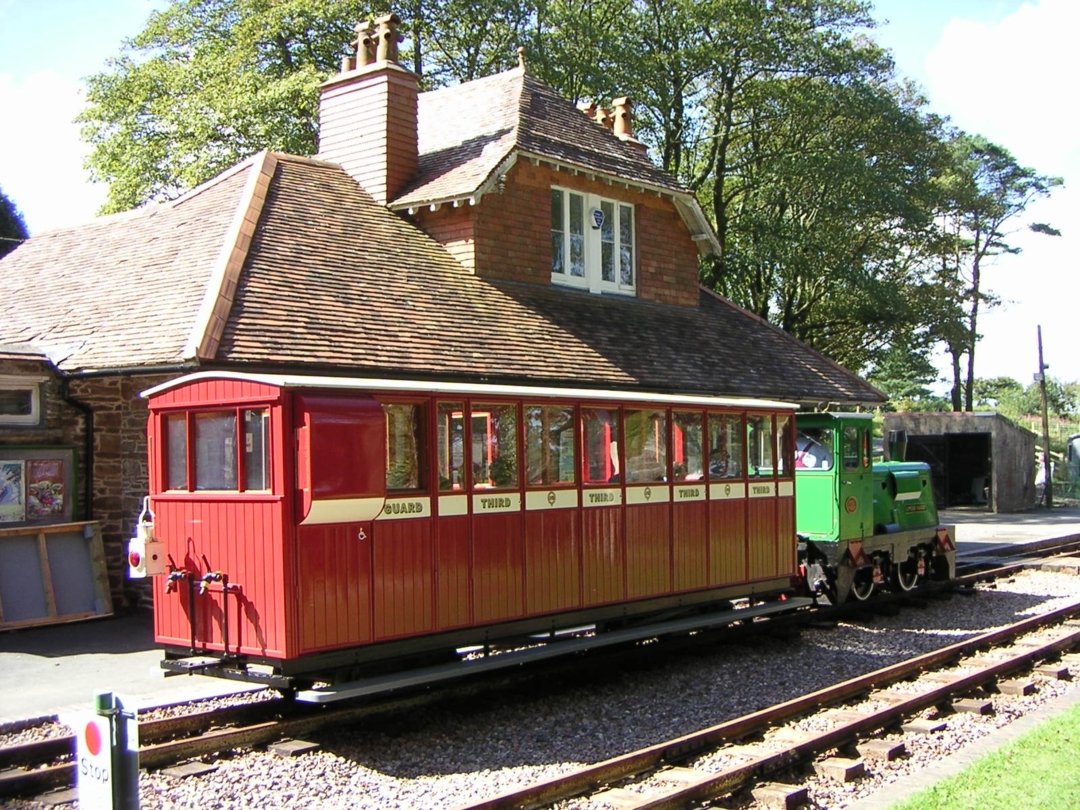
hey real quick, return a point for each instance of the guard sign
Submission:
(95, 761)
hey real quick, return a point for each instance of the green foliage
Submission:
(846, 213)
(206, 84)
(12, 226)
(983, 189)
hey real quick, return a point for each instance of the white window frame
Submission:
(31, 385)
(593, 280)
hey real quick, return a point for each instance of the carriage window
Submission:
(549, 445)
(725, 445)
(759, 444)
(646, 445)
(402, 446)
(494, 446)
(176, 451)
(215, 451)
(451, 439)
(256, 465)
(600, 439)
(785, 456)
(687, 437)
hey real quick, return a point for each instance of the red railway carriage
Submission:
(315, 526)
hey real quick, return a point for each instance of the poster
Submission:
(44, 488)
(12, 501)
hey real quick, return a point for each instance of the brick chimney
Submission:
(367, 113)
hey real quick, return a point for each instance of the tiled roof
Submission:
(123, 290)
(467, 131)
(365, 292)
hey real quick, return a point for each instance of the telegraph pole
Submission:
(1047, 468)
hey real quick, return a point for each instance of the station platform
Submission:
(56, 670)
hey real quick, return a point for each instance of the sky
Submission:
(1004, 69)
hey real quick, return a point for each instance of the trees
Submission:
(846, 213)
(207, 83)
(12, 227)
(984, 189)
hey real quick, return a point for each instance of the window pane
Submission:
(785, 458)
(558, 233)
(601, 439)
(549, 445)
(646, 445)
(16, 402)
(494, 446)
(451, 439)
(851, 448)
(760, 444)
(402, 446)
(607, 242)
(626, 245)
(215, 451)
(577, 235)
(176, 451)
(687, 436)
(813, 449)
(256, 466)
(725, 445)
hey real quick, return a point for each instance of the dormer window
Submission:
(592, 242)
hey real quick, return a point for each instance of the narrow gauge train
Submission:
(321, 529)
(864, 525)
(313, 529)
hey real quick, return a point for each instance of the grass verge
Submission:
(1039, 770)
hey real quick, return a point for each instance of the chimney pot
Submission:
(365, 44)
(602, 117)
(388, 38)
(623, 123)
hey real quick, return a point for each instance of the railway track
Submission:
(35, 767)
(656, 777)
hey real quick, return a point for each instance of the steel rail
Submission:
(682, 748)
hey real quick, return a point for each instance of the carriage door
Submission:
(856, 479)
(341, 482)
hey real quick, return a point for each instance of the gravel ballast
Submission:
(489, 742)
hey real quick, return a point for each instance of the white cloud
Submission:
(41, 156)
(1012, 82)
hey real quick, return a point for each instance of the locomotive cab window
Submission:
(856, 448)
(813, 449)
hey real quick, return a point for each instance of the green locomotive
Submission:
(864, 525)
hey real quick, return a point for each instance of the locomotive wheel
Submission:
(906, 575)
(863, 585)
